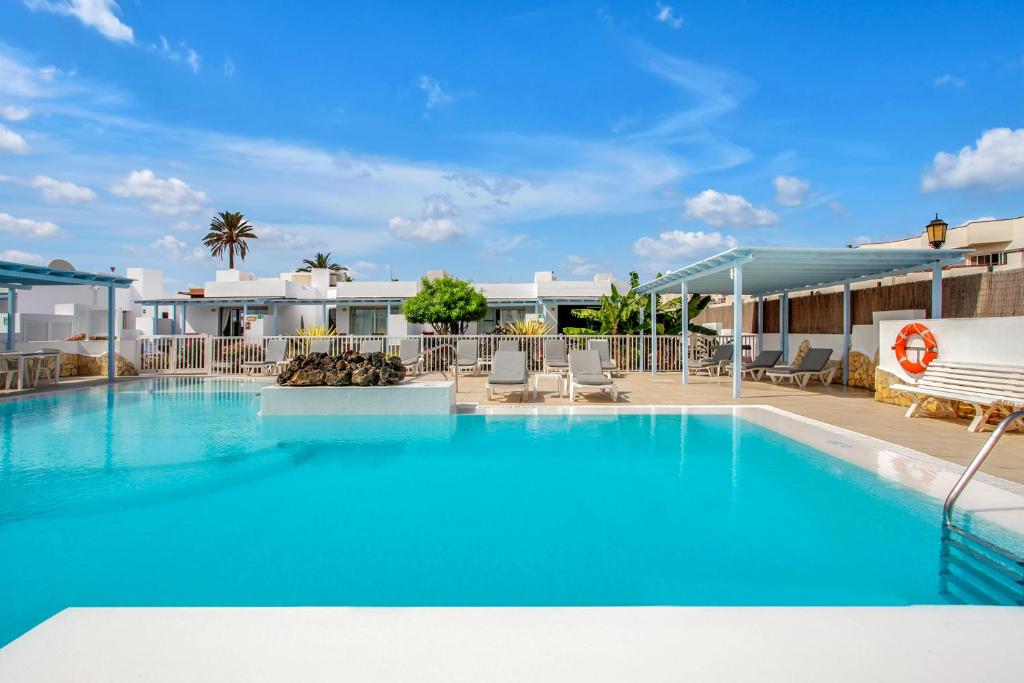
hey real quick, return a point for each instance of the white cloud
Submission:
(719, 209)
(505, 244)
(11, 141)
(181, 53)
(497, 187)
(22, 257)
(268, 234)
(996, 162)
(436, 96)
(426, 230)
(666, 16)
(790, 190)
(229, 67)
(15, 113)
(27, 227)
(169, 196)
(435, 223)
(950, 79)
(860, 240)
(580, 265)
(19, 78)
(840, 209)
(677, 243)
(178, 250)
(361, 269)
(97, 14)
(62, 191)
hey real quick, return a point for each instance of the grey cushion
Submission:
(765, 359)
(592, 380)
(508, 367)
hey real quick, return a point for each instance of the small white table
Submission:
(557, 376)
(22, 355)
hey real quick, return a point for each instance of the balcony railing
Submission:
(205, 354)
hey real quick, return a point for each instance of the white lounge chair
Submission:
(8, 369)
(508, 373)
(368, 346)
(765, 360)
(46, 365)
(603, 348)
(987, 388)
(320, 346)
(585, 373)
(272, 361)
(467, 356)
(410, 356)
(814, 364)
(508, 345)
(556, 358)
(713, 365)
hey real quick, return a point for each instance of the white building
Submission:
(998, 242)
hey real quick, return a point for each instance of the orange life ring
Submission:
(931, 349)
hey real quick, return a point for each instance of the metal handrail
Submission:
(972, 469)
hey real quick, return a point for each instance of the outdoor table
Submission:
(22, 355)
(557, 376)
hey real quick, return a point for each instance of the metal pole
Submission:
(936, 292)
(684, 330)
(760, 325)
(111, 354)
(846, 334)
(784, 326)
(641, 336)
(654, 333)
(737, 330)
(12, 310)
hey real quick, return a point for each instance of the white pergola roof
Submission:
(775, 270)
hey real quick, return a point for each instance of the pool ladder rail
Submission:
(973, 569)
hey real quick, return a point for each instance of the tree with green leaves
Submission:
(228, 234)
(322, 260)
(630, 313)
(447, 304)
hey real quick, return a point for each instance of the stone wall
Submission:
(81, 365)
(862, 370)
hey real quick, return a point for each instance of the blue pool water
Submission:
(174, 492)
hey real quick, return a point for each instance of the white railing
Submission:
(205, 354)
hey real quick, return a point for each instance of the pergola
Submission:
(21, 276)
(767, 271)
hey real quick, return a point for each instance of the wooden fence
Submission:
(979, 295)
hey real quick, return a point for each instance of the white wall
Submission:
(969, 340)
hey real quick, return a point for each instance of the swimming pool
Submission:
(175, 492)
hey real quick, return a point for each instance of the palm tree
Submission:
(228, 233)
(321, 260)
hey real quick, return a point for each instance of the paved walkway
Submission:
(853, 409)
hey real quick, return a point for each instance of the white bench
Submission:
(986, 387)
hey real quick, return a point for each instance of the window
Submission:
(368, 321)
(500, 316)
(996, 259)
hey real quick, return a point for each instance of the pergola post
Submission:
(111, 354)
(784, 326)
(174, 319)
(12, 310)
(760, 325)
(846, 334)
(937, 292)
(684, 331)
(737, 330)
(184, 318)
(654, 333)
(641, 335)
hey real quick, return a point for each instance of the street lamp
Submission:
(937, 232)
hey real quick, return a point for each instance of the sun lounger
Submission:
(320, 346)
(585, 373)
(467, 356)
(368, 346)
(756, 368)
(508, 345)
(410, 356)
(556, 357)
(271, 362)
(603, 348)
(508, 373)
(987, 388)
(713, 365)
(814, 364)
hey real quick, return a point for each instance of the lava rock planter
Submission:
(349, 369)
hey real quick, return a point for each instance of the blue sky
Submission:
(500, 138)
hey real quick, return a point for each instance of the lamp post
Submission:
(937, 232)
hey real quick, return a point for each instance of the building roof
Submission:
(25, 276)
(775, 270)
